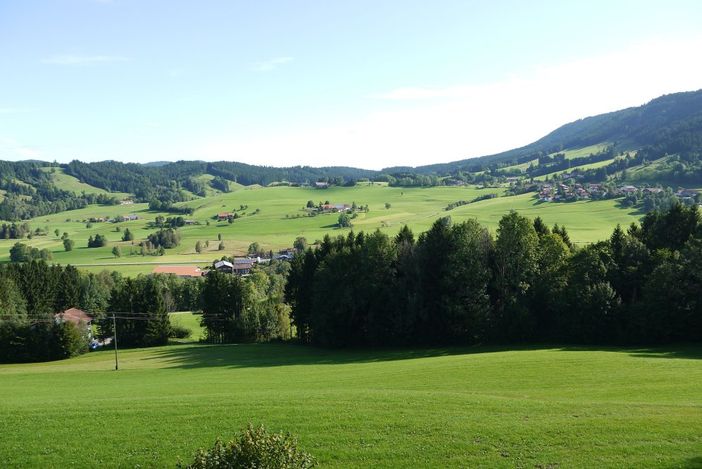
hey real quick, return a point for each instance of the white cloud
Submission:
(69, 59)
(432, 125)
(271, 64)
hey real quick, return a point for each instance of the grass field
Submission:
(281, 219)
(454, 407)
(584, 151)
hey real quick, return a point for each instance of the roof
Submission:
(246, 260)
(220, 264)
(74, 315)
(242, 266)
(179, 270)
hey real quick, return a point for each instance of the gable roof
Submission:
(74, 315)
(220, 264)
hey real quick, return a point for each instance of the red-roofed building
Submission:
(184, 271)
(78, 317)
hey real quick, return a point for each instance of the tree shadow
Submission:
(692, 463)
(286, 354)
(686, 351)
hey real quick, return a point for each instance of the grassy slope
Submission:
(388, 408)
(70, 183)
(586, 221)
(584, 151)
(417, 207)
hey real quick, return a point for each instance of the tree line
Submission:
(234, 308)
(457, 284)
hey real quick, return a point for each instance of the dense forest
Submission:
(29, 191)
(164, 181)
(455, 284)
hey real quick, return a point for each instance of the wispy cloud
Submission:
(271, 64)
(69, 59)
(429, 124)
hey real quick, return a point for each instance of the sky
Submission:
(365, 83)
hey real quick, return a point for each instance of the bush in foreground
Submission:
(254, 448)
(179, 332)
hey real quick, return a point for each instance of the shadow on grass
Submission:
(287, 354)
(692, 463)
(688, 351)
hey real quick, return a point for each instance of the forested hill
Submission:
(137, 178)
(669, 124)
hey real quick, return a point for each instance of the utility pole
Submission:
(114, 330)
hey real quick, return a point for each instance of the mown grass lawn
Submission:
(448, 407)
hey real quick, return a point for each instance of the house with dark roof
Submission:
(224, 266)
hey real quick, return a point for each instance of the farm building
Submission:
(76, 316)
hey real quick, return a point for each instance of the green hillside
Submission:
(281, 218)
(448, 407)
(671, 121)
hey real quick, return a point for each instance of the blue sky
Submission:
(363, 83)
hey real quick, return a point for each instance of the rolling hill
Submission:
(671, 123)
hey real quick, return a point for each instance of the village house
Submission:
(628, 189)
(224, 267)
(321, 185)
(240, 266)
(243, 268)
(76, 316)
(687, 193)
(224, 216)
(335, 207)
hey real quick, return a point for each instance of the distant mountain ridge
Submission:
(668, 125)
(675, 116)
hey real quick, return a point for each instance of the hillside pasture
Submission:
(275, 216)
(447, 407)
(572, 153)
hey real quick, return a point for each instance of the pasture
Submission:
(447, 407)
(275, 216)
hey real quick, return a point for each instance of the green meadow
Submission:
(444, 407)
(274, 217)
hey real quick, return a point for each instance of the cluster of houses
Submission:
(117, 219)
(333, 208)
(238, 266)
(560, 192)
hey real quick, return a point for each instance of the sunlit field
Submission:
(281, 218)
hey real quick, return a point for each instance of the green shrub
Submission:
(254, 448)
(179, 332)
